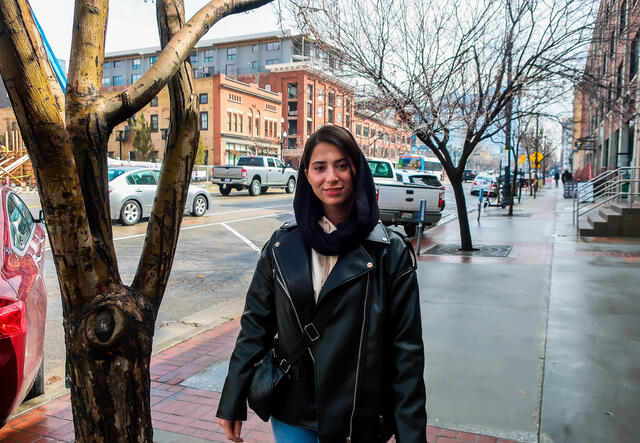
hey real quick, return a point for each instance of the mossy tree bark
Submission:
(108, 324)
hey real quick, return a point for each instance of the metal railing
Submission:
(614, 185)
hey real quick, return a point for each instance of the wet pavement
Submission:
(542, 344)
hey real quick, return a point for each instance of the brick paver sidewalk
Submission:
(178, 409)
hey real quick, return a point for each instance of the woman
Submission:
(362, 379)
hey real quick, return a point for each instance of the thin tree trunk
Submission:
(463, 218)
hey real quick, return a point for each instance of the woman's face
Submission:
(330, 175)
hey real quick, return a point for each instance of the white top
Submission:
(321, 265)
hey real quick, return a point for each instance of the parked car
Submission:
(23, 304)
(133, 189)
(399, 199)
(468, 175)
(256, 173)
(487, 183)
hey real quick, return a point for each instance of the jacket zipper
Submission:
(355, 389)
(286, 291)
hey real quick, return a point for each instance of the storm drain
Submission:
(480, 250)
(210, 378)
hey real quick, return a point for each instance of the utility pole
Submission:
(506, 186)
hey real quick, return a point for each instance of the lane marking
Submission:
(242, 237)
(206, 225)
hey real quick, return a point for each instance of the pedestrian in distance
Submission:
(358, 375)
(566, 176)
(556, 177)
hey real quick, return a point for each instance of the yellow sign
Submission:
(522, 159)
(536, 157)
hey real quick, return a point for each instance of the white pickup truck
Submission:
(256, 173)
(399, 194)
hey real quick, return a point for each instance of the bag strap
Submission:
(311, 333)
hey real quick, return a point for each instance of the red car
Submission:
(23, 304)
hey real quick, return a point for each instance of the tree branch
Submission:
(123, 105)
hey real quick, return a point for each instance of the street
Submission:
(214, 262)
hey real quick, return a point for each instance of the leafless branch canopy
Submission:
(443, 66)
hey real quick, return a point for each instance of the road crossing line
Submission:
(242, 237)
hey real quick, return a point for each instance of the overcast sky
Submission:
(132, 23)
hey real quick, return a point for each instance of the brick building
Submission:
(378, 138)
(235, 118)
(605, 103)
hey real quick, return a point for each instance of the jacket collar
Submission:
(293, 257)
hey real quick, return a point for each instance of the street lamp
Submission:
(283, 136)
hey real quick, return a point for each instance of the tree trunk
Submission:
(463, 217)
(108, 360)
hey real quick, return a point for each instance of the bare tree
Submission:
(108, 324)
(449, 69)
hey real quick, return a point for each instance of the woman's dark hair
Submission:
(334, 135)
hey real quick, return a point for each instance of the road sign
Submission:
(522, 159)
(536, 157)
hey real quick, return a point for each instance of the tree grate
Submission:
(480, 250)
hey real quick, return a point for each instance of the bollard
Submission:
(422, 215)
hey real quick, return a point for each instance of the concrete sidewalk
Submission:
(541, 344)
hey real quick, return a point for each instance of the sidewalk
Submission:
(542, 344)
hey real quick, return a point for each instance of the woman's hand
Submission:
(231, 428)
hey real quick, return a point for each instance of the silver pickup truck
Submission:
(256, 173)
(399, 194)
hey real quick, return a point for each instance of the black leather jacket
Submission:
(363, 378)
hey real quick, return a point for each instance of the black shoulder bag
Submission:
(271, 370)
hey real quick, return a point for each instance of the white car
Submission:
(133, 189)
(418, 177)
(487, 183)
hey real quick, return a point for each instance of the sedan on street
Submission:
(133, 189)
(23, 304)
(487, 183)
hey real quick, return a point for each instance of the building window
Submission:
(348, 122)
(358, 129)
(623, 15)
(154, 102)
(309, 126)
(292, 90)
(106, 81)
(153, 59)
(320, 95)
(135, 78)
(634, 56)
(272, 61)
(254, 65)
(107, 65)
(273, 46)
(203, 98)
(373, 133)
(231, 69)
(309, 92)
(293, 127)
(250, 121)
(116, 63)
(257, 125)
(235, 122)
(348, 105)
(232, 53)
(240, 123)
(204, 121)
(339, 101)
(292, 109)
(117, 80)
(135, 63)
(254, 48)
(320, 111)
(332, 98)
(266, 128)
(330, 115)
(154, 122)
(229, 121)
(309, 110)
(365, 131)
(208, 56)
(620, 82)
(339, 117)
(193, 58)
